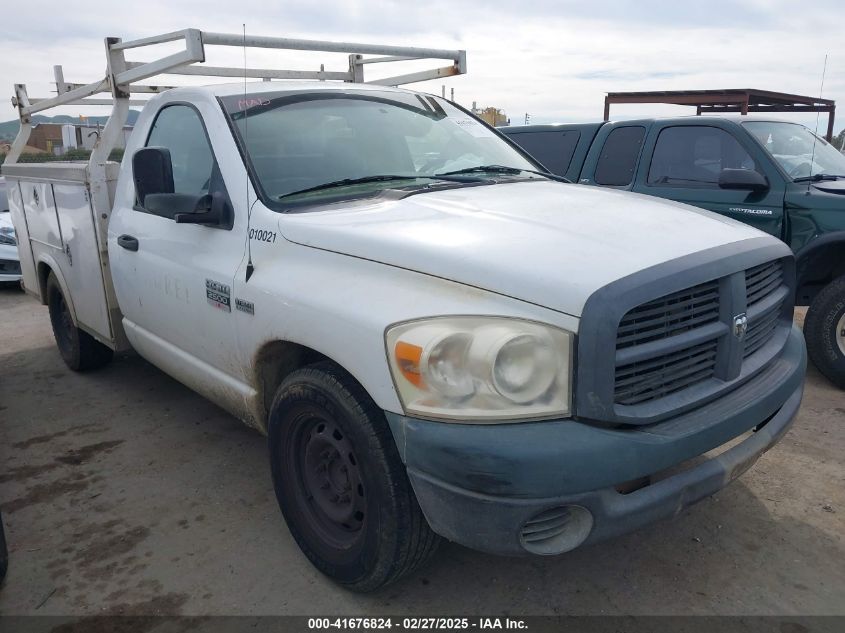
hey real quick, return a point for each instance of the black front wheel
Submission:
(79, 350)
(824, 331)
(340, 482)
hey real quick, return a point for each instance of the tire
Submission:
(824, 331)
(4, 552)
(79, 350)
(340, 483)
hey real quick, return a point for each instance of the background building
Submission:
(59, 138)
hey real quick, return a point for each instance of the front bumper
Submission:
(478, 485)
(10, 265)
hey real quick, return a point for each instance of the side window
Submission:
(179, 129)
(553, 149)
(693, 156)
(619, 156)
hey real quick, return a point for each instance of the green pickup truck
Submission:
(774, 175)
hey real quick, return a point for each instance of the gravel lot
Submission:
(124, 492)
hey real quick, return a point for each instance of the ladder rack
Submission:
(122, 76)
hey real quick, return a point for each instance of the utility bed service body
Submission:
(437, 337)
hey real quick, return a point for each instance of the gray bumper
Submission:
(479, 484)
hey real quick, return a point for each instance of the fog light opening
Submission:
(557, 530)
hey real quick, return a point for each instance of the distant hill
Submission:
(9, 129)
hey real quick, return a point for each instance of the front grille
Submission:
(762, 280)
(670, 315)
(760, 283)
(658, 377)
(10, 267)
(761, 331)
(684, 338)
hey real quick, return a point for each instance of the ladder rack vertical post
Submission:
(21, 102)
(59, 76)
(101, 201)
(120, 108)
(356, 68)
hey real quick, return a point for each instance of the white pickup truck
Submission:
(439, 338)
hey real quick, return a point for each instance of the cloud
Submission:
(620, 74)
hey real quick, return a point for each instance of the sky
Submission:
(554, 60)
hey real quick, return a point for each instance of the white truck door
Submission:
(174, 282)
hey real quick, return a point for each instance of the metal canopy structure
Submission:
(742, 100)
(122, 76)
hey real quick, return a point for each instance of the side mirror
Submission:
(746, 179)
(209, 209)
(153, 172)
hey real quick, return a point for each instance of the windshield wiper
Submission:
(502, 169)
(349, 181)
(377, 178)
(818, 177)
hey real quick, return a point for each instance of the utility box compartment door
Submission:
(83, 272)
(40, 209)
(27, 259)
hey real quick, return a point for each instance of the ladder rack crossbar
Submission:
(253, 73)
(323, 46)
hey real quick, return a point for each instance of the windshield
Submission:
(791, 145)
(303, 141)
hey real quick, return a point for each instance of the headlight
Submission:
(481, 369)
(7, 236)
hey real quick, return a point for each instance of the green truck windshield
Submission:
(799, 152)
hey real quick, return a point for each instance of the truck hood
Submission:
(546, 243)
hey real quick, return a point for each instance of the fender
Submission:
(48, 260)
(805, 256)
(818, 242)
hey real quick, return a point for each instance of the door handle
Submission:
(128, 242)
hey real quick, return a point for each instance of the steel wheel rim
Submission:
(334, 505)
(840, 334)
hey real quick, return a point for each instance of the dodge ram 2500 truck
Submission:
(438, 338)
(774, 175)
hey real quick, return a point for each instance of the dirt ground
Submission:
(124, 492)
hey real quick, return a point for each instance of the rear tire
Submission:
(340, 483)
(79, 350)
(824, 331)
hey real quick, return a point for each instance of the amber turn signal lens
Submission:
(408, 358)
